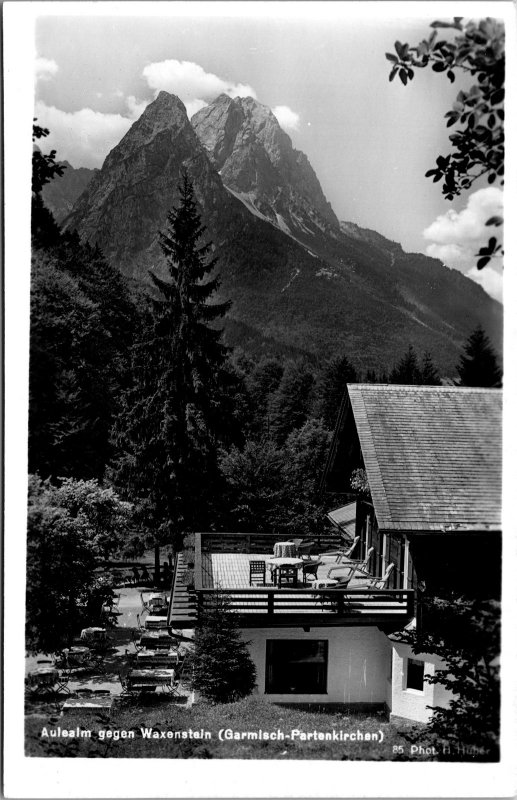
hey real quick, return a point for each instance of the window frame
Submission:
(412, 689)
(269, 666)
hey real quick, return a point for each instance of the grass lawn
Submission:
(247, 716)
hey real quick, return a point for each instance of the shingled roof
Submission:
(433, 455)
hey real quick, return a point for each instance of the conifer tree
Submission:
(290, 404)
(177, 410)
(428, 372)
(338, 372)
(478, 365)
(406, 371)
(222, 668)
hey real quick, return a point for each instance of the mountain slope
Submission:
(61, 193)
(297, 280)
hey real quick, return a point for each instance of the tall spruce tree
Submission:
(428, 373)
(337, 373)
(177, 410)
(478, 365)
(222, 668)
(406, 371)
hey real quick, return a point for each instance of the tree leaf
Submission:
(399, 47)
(483, 262)
(391, 57)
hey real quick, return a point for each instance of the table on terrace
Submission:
(47, 680)
(153, 621)
(155, 639)
(150, 679)
(283, 561)
(157, 658)
(285, 549)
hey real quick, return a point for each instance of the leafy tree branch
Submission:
(477, 114)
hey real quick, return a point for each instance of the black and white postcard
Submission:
(259, 539)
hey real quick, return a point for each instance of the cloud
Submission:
(455, 238)
(190, 82)
(136, 107)
(288, 119)
(489, 279)
(193, 106)
(45, 69)
(85, 137)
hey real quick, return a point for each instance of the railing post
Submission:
(270, 603)
(340, 603)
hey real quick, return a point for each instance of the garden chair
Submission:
(376, 583)
(145, 577)
(310, 568)
(355, 564)
(342, 554)
(304, 550)
(258, 572)
(287, 576)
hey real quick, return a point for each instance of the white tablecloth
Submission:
(285, 550)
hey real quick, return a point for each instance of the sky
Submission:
(325, 77)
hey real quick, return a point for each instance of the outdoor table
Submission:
(284, 561)
(44, 676)
(285, 549)
(155, 639)
(79, 653)
(90, 634)
(85, 704)
(154, 621)
(151, 679)
(47, 679)
(157, 658)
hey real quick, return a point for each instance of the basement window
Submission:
(296, 666)
(415, 674)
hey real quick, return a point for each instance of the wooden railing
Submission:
(257, 542)
(267, 602)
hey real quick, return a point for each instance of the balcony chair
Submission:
(304, 550)
(356, 564)
(258, 572)
(287, 576)
(310, 568)
(342, 554)
(376, 583)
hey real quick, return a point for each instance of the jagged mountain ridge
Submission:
(317, 291)
(256, 160)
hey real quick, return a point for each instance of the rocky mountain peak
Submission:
(258, 163)
(127, 202)
(165, 115)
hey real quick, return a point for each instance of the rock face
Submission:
(61, 193)
(256, 160)
(127, 202)
(299, 282)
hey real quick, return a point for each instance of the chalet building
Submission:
(430, 517)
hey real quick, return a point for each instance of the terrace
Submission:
(222, 564)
